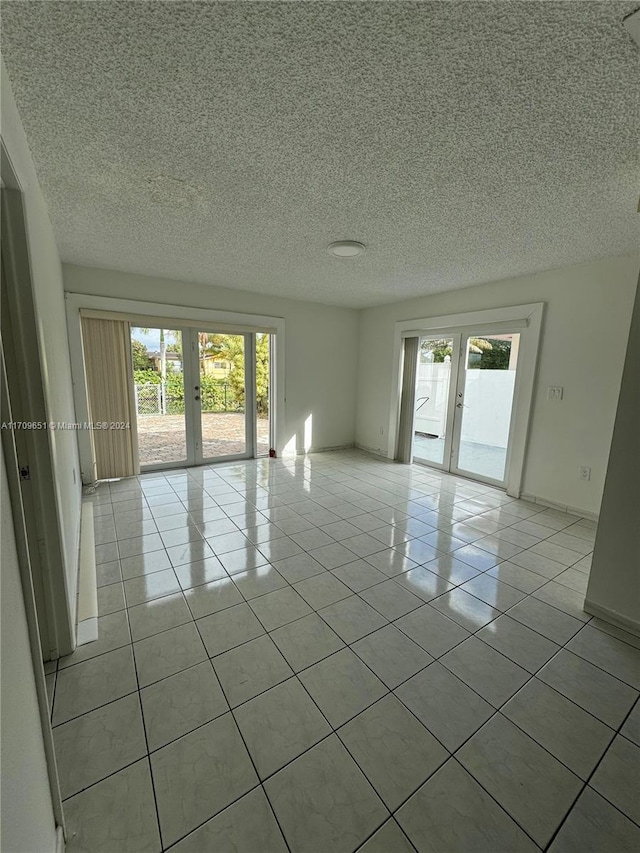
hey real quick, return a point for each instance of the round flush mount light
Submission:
(345, 248)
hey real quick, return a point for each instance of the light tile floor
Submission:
(334, 653)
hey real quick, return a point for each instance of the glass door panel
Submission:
(222, 394)
(484, 402)
(158, 380)
(263, 392)
(433, 385)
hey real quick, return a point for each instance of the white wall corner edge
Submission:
(87, 630)
(619, 620)
(60, 844)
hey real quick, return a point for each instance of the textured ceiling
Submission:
(229, 143)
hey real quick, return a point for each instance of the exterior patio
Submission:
(162, 438)
(484, 459)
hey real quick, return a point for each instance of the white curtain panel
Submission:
(108, 372)
(407, 400)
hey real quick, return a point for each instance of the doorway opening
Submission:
(200, 396)
(465, 386)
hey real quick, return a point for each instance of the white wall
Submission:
(52, 342)
(585, 330)
(321, 345)
(28, 824)
(614, 581)
(433, 383)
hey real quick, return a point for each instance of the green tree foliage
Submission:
(175, 393)
(262, 373)
(218, 395)
(439, 349)
(230, 348)
(495, 356)
(139, 355)
(486, 353)
(147, 376)
(442, 348)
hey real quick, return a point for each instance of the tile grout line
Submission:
(247, 750)
(590, 777)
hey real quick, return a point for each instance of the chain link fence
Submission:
(167, 398)
(149, 399)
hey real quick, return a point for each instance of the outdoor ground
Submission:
(161, 438)
(482, 459)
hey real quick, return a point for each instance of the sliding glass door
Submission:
(484, 403)
(159, 392)
(201, 396)
(464, 397)
(432, 415)
(221, 394)
(264, 385)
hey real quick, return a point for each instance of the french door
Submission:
(463, 415)
(195, 396)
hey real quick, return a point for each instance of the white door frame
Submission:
(50, 622)
(192, 401)
(192, 424)
(524, 319)
(225, 321)
(56, 601)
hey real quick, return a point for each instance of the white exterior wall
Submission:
(433, 382)
(488, 397)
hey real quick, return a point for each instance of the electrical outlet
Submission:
(585, 473)
(555, 392)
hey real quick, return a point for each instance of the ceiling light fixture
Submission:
(346, 248)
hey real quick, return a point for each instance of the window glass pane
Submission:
(158, 379)
(432, 396)
(490, 372)
(222, 392)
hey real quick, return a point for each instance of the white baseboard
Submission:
(374, 451)
(572, 510)
(87, 580)
(348, 446)
(87, 631)
(613, 617)
(292, 455)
